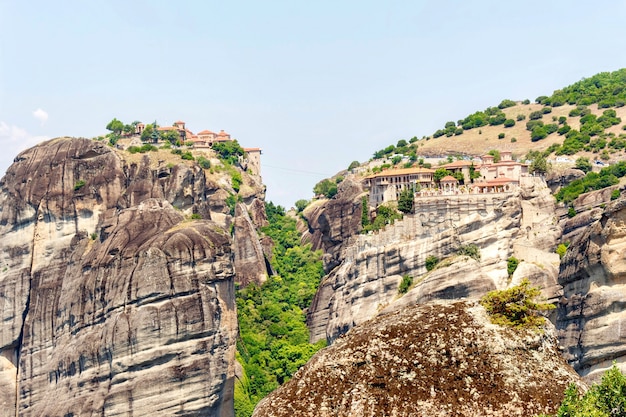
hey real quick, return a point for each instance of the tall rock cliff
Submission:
(437, 359)
(331, 223)
(114, 301)
(592, 314)
(372, 266)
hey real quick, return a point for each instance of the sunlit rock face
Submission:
(372, 266)
(592, 313)
(113, 302)
(438, 359)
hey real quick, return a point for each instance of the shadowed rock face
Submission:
(332, 223)
(592, 315)
(428, 360)
(112, 303)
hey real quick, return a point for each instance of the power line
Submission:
(295, 170)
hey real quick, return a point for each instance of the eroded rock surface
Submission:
(592, 314)
(372, 267)
(332, 222)
(114, 302)
(428, 360)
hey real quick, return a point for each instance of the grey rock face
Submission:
(592, 316)
(113, 303)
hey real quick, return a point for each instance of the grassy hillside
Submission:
(587, 118)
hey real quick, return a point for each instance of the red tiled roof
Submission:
(222, 133)
(458, 164)
(492, 183)
(449, 178)
(179, 121)
(206, 132)
(251, 149)
(402, 171)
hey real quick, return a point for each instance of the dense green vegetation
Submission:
(228, 151)
(405, 201)
(431, 262)
(385, 214)
(274, 339)
(592, 181)
(516, 306)
(405, 284)
(608, 89)
(326, 187)
(511, 265)
(606, 399)
(470, 250)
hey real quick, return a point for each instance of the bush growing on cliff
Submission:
(405, 201)
(301, 205)
(79, 184)
(516, 306)
(326, 187)
(228, 151)
(470, 250)
(385, 214)
(431, 262)
(561, 249)
(511, 265)
(405, 284)
(606, 399)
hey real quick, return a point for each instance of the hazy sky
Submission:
(315, 84)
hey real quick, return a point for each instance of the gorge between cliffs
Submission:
(119, 276)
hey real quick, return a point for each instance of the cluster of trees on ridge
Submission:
(607, 89)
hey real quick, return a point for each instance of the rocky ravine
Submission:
(428, 360)
(113, 302)
(370, 267)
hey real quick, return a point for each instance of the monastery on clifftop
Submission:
(468, 177)
(205, 140)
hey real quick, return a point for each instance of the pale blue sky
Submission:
(316, 84)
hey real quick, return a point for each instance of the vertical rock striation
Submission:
(592, 313)
(113, 303)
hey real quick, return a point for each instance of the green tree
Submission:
(405, 201)
(511, 265)
(228, 151)
(506, 103)
(115, 126)
(353, 164)
(440, 173)
(301, 205)
(405, 284)
(146, 135)
(516, 306)
(326, 187)
(496, 155)
(431, 262)
(129, 129)
(365, 218)
(509, 123)
(606, 399)
(583, 164)
(539, 165)
(171, 136)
